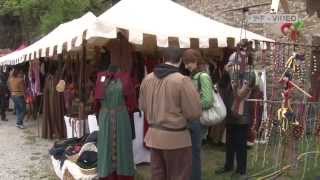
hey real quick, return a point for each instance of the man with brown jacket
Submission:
(169, 101)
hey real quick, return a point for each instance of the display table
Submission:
(71, 168)
(75, 129)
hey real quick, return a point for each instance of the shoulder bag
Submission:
(217, 113)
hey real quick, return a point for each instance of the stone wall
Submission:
(216, 9)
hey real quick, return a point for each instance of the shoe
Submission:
(222, 171)
(4, 119)
(237, 176)
(243, 177)
(20, 126)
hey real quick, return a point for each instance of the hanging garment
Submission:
(138, 70)
(255, 114)
(54, 108)
(226, 54)
(34, 78)
(115, 154)
(120, 54)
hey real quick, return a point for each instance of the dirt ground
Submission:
(24, 156)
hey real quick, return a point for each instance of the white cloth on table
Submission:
(93, 123)
(75, 127)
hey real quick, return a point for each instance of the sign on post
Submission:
(272, 18)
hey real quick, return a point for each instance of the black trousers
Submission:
(236, 142)
(3, 107)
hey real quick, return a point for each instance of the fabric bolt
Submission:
(20, 107)
(171, 164)
(115, 153)
(53, 125)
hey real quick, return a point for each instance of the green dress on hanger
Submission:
(115, 153)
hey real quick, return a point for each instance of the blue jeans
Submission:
(20, 107)
(197, 131)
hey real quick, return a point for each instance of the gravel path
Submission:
(24, 156)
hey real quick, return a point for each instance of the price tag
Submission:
(103, 78)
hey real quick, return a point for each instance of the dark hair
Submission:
(15, 72)
(172, 55)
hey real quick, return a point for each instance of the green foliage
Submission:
(38, 17)
(62, 11)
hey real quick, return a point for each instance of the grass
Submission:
(213, 157)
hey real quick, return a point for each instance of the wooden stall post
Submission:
(82, 81)
(315, 67)
(173, 42)
(194, 43)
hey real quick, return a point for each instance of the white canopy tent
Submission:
(164, 19)
(68, 34)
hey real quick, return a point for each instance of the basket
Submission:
(74, 158)
(67, 175)
(92, 171)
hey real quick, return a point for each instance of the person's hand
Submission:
(245, 83)
(285, 79)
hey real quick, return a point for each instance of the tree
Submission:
(38, 17)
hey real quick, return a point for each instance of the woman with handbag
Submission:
(194, 62)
